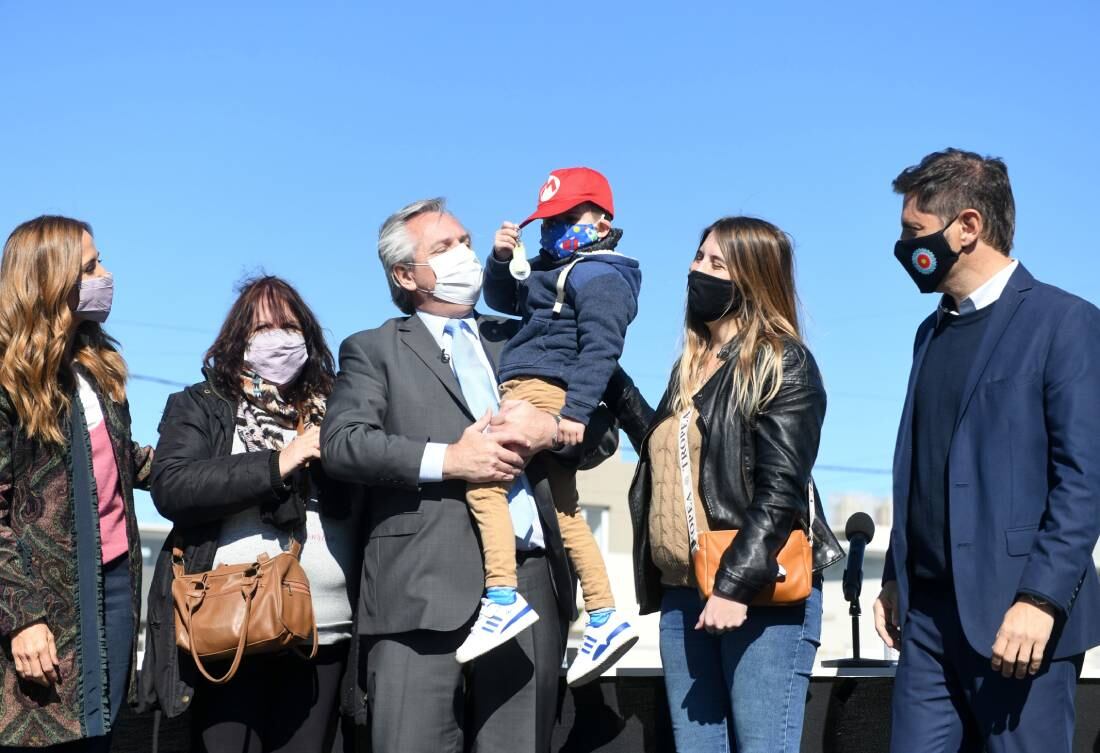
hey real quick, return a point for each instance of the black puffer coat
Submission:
(754, 474)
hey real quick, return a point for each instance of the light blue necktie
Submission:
(481, 395)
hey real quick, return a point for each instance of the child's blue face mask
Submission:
(561, 239)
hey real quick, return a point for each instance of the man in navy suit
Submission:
(990, 592)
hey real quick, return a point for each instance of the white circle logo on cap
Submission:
(553, 183)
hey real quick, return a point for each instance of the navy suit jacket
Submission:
(1023, 468)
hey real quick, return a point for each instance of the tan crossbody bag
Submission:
(796, 559)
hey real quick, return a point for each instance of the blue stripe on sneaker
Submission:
(604, 646)
(525, 610)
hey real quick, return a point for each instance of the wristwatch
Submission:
(558, 444)
(1033, 600)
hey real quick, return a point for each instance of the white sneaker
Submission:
(600, 648)
(496, 624)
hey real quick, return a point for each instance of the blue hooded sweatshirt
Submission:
(580, 346)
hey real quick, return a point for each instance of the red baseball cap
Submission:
(571, 187)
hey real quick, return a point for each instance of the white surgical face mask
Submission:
(458, 275)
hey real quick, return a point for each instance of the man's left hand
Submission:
(538, 426)
(1022, 639)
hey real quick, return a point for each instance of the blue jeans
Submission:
(744, 690)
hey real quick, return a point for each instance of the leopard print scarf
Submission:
(263, 416)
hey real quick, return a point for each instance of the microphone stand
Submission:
(856, 662)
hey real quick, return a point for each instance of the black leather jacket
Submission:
(753, 474)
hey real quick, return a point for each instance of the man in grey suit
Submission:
(399, 424)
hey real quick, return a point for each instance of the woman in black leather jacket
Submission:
(736, 675)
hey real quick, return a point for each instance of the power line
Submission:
(859, 470)
(161, 325)
(854, 469)
(157, 380)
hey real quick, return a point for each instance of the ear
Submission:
(603, 226)
(403, 276)
(971, 224)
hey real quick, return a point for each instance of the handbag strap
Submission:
(248, 591)
(684, 455)
(312, 654)
(179, 571)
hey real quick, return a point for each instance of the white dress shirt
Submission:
(986, 295)
(431, 463)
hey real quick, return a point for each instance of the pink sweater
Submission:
(112, 512)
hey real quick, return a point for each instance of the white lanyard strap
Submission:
(689, 491)
(686, 481)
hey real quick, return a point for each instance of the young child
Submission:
(576, 299)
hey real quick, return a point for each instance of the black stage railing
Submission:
(628, 714)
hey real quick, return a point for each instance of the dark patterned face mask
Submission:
(927, 259)
(562, 239)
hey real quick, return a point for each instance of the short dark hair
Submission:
(945, 183)
(225, 360)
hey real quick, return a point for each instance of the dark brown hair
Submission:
(224, 361)
(945, 183)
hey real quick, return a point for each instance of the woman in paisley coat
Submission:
(70, 557)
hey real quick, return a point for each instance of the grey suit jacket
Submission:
(422, 568)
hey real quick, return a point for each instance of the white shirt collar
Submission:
(986, 295)
(436, 324)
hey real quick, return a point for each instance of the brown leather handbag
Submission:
(235, 610)
(796, 559)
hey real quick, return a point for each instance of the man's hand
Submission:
(35, 655)
(300, 450)
(720, 615)
(537, 426)
(887, 619)
(505, 241)
(570, 432)
(1022, 639)
(482, 458)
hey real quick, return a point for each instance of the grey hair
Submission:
(395, 246)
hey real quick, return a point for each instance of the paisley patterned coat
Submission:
(40, 570)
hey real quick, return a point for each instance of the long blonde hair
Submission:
(40, 269)
(760, 261)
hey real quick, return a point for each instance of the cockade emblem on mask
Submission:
(924, 261)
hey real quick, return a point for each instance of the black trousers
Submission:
(423, 701)
(275, 704)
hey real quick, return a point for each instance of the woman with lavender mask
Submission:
(70, 559)
(239, 475)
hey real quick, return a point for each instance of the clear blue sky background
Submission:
(208, 140)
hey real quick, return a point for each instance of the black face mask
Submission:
(927, 259)
(710, 298)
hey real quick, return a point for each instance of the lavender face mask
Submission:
(277, 355)
(96, 297)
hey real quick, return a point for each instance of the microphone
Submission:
(444, 356)
(859, 531)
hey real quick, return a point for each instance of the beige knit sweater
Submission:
(668, 533)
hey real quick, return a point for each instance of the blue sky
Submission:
(205, 141)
